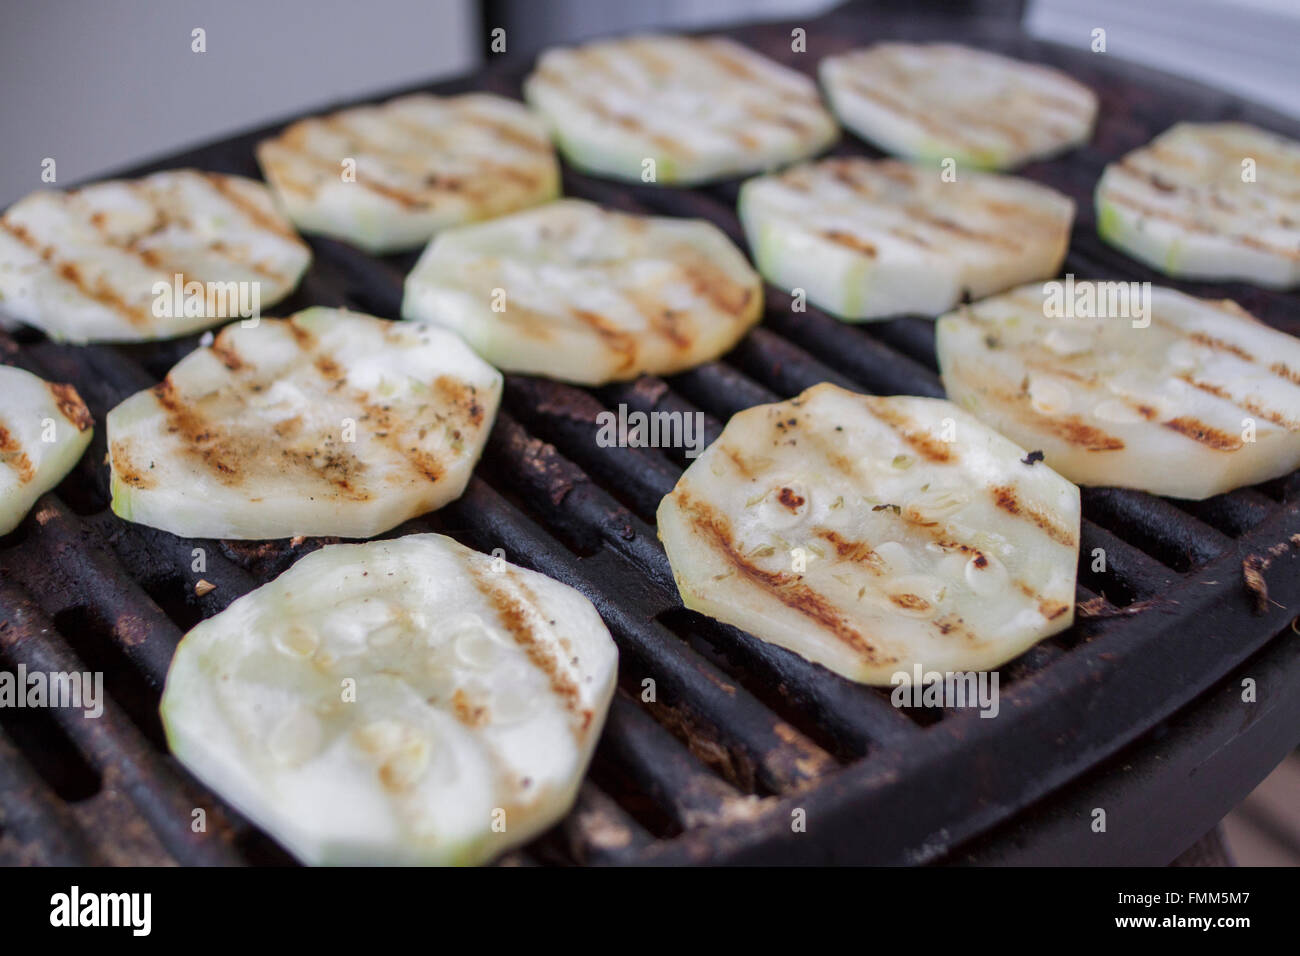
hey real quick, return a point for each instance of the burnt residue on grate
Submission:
(717, 744)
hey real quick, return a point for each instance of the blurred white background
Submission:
(100, 85)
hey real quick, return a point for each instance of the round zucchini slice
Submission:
(700, 108)
(388, 177)
(328, 422)
(1181, 396)
(583, 294)
(150, 258)
(940, 100)
(1208, 201)
(875, 535)
(397, 702)
(870, 240)
(44, 429)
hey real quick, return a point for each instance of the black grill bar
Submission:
(652, 761)
(111, 742)
(91, 579)
(38, 822)
(1158, 527)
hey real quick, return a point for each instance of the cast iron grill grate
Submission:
(741, 733)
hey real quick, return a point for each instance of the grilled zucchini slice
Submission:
(583, 294)
(325, 423)
(44, 429)
(941, 100)
(1208, 201)
(421, 163)
(869, 240)
(89, 264)
(1203, 400)
(395, 702)
(871, 535)
(703, 108)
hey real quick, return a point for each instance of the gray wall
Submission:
(100, 84)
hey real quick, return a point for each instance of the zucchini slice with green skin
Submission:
(328, 422)
(407, 701)
(101, 263)
(583, 294)
(420, 163)
(872, 535)
(1208, 201)
(702, 108)
(1203, 399)
(44, 429)
(939, 101)
(871, 240)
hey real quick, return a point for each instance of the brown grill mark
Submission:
(470, 715)
(957, 229)
(12, 454)
(302, 336)
(722, 293)
(70, 405)
(633, 125)
(518, 620)
(1005, 497)
(1194, 226)
(785, 587)
(1078, 432)
(857, 552)
(850, 241)
(790, 500)
(1220, 345)
(618, 340)
(460, 395)
(330, 370)
(742, 466)
(1052, 609)
(250, 210)
(507, 133)
(447, 184)
(1290, 374)
(291, 141)
(125, 468)
(663, 321)
(199, 437)
(69, 272)
(1250, 405)
(227, 354)
(725, 60)
(1070, 428)
(918, 439)
(1208, 435)
(910, 602)
(235, 459)
(902, 109)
